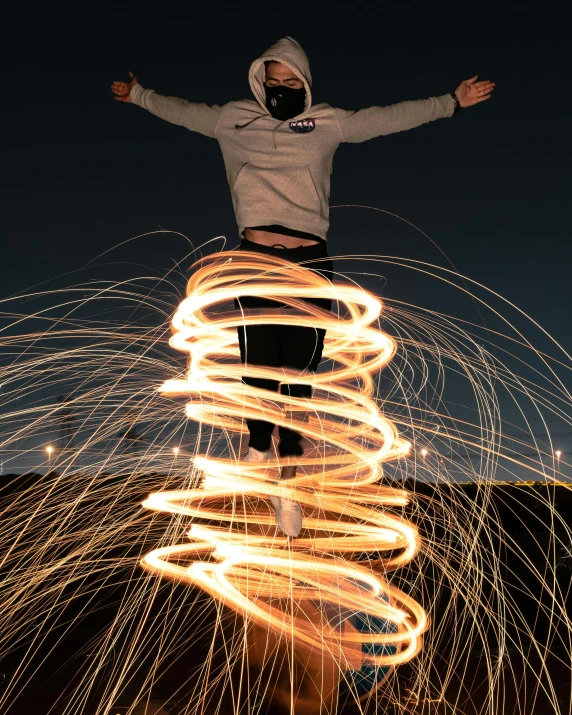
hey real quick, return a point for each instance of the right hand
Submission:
(121, 90)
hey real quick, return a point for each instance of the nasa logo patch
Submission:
(303, 126)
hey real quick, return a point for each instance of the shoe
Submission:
(289, 517)
(255, 455)
(288, 512)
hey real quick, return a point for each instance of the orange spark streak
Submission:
(234, 554)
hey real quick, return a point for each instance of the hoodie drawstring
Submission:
(274, 131)
(251, 121)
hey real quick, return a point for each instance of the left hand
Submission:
(472, 92)
(122, 90)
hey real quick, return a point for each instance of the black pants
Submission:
(290, 346)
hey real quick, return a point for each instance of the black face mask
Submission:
(285, 102)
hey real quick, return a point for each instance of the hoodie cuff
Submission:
(448, 104)
(135, 94)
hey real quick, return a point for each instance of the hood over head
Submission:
(289, 53)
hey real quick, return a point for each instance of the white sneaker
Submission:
(288, 516)
(275, 501)
(255, 455)
(288, 512)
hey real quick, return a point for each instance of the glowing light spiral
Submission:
(235, 553)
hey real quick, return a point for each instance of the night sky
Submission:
(82, 173)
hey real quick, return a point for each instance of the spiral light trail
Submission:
(488, 413)
(234, 552)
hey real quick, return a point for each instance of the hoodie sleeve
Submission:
(364, 124)
(197, 117)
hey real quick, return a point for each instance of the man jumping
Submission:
(278, 151)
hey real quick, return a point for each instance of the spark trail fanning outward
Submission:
(345, 510)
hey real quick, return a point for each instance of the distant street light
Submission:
(423, 453)
(176, 451)
(49, 450)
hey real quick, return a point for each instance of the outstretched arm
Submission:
(373, 122)
(197, 117)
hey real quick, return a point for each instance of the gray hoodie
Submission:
(279, 171)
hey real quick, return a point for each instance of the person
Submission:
(278, 151)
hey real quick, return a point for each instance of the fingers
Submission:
(120, 88)
(484, 88)
(124, 88)
(472, 80)
(479, 91)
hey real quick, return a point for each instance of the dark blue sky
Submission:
(82, 173)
